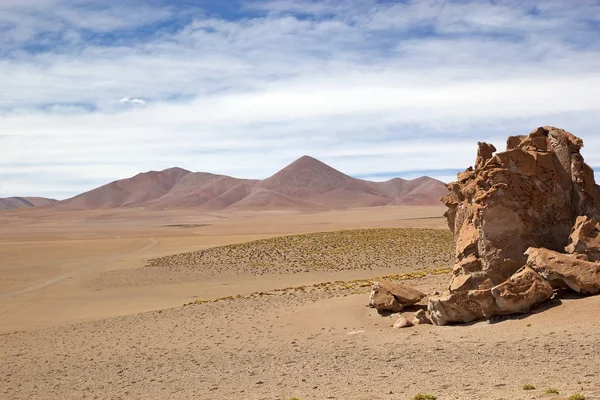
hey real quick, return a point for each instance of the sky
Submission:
(93, 91)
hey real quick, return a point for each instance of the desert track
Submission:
(70, 274)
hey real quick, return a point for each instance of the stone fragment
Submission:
(565, 270)
(421, 318)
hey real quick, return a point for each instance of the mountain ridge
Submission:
(306, 184)
(11, 203)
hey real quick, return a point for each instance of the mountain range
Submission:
(11, 203)
(306, 185)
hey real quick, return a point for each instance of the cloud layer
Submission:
(95, 91)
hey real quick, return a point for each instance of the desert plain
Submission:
(102, 304)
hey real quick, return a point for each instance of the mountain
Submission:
(10, 203)
(307, 184)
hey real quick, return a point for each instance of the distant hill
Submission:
(306, 184)
(130, 192)
(10, 203)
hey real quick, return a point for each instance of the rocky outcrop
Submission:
(537, 194)
(566, 270)
(393, 297)
(527, 196)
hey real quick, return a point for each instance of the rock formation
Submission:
(527, 196)
(537, 194)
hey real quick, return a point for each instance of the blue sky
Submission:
(92, 91)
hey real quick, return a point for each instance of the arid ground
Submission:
(92, 306)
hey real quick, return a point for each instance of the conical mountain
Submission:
(307, 177)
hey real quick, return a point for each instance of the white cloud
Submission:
(371, 88)
(128, 100)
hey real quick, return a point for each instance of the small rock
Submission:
(421, 318)
(402, 322)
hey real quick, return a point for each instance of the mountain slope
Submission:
(130, 192)
(11, 203)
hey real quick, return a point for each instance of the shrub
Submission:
(577, 396)
(552, 391)
(421, 396)
(528, 387)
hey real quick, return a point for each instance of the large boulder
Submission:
(565, 270)
(528, 196)
(585, 239)
(383, 301)
(516, 295)
(392, 296)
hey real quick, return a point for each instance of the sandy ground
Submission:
(80, 318)
(63, 267)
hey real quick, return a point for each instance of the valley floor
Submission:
(80, 318)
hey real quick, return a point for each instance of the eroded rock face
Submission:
(516, 295)
(585, 239)
(527, 196)
(565, 270)
(393, 297)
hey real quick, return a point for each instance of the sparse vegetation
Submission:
(528, 387)
(339, 250)
(355, 286)
(551, 391)
(577, 396)
(421, 396)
